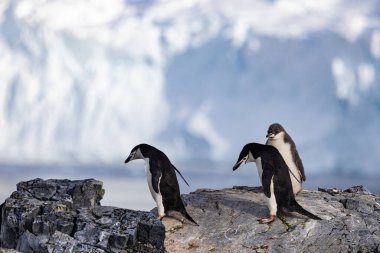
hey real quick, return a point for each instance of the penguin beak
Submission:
(236, 166)
(270, 135)
(128, 159)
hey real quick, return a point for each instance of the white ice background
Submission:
(85, 81)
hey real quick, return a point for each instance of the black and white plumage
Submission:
(279, 138)
(162, 180)
(275, 179)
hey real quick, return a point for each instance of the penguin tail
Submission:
(180, 174)
(299, 209)
(188, 217)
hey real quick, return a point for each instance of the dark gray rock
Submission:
(357, 189)
(66, 216)
(331, 191)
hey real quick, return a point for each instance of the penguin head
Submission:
(275, 131)
(136, 153)
(244, 157)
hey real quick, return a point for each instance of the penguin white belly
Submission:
(156, 196)
(272, 203)
(286, 153)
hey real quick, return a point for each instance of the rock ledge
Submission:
(66, 216)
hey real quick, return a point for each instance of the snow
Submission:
(349, 85)
(366, 74)
(375, 44)
(201, 126)
(85, 81)
(345, 81)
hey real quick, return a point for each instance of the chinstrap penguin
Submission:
(275, 179)
(279, 138)
(162, 180)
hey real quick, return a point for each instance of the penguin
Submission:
(274, 177)
(279, 138)
(162, 180)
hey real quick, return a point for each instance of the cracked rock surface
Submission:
(227, 221)
(66, 216)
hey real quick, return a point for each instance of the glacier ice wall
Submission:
(84, 81)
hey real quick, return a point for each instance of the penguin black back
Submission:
(157, 155)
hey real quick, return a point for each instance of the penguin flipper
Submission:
(298, 162)
(155, 170)
(296, 158)
(267, 178)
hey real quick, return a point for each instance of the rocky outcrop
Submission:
(66, 216)
(228, 223)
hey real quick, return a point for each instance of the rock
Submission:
(354, 189)
(66, 216)
(357, 189)
(2, 250)
(331, 191)
(227, 221)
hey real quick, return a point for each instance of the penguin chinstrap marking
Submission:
(275, 179)
(280, 139)
(162, 180)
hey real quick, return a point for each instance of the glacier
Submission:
(85, 81)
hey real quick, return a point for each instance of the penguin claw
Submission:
(267, 220)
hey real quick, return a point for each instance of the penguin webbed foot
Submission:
(161, 217)
(267, 220)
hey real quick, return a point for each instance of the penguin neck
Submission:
(253, 152)
(251, 158)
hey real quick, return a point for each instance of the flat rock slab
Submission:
(228, 223)
(66, 216)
